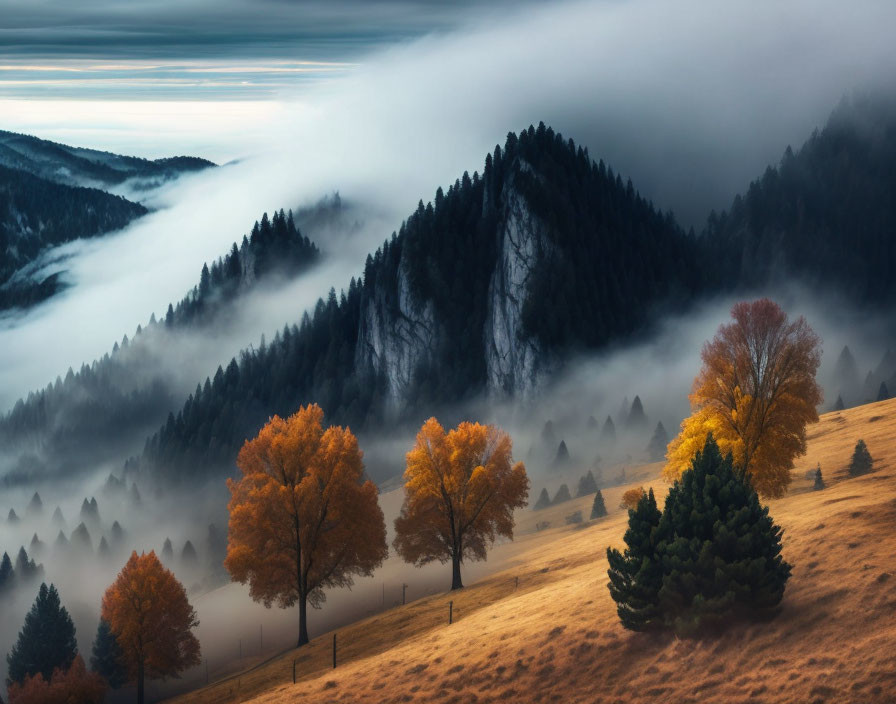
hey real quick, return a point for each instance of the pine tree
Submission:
(636, 574)
(46, 641)
(608, 433)
(598, 508)
(819, 482)
(103, 551)
(720, 550)
(883, 393)
(838, 406)
(562, 457)
(543, 500)
(58, 519)
(167, 551)
(107, 657)
(7, 574)
(636, 419)
(35, 506)
(656, 448)
(188, 556)
(80, 538)
(12, 517)
(561, 495)
(25, 569)
(861, 462)
(587, 485)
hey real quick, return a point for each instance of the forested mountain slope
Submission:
(492, 285)
(36, 214)
(76, 166)
(826, 216)
(485, 289)
(107, 408)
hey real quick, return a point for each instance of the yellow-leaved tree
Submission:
(755, 393)
(303, 516)
(461, 488)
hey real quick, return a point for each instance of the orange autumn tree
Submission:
(72, 686)
(148, 612)
(755, 393)
(303, 517)
(460, 492)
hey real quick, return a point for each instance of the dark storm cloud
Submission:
(216, 28)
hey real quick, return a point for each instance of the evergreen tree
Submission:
(188, 556)
(35, 506)
(587, 485)
(636, 574)
(608, 433)
(80, 538)
(883, 393)
(561, 495)
(838, 406)
(543, 500)
(819, 482)
(562, 457)
(107, 657)
(592, 423)
(598, 508)
(103, 551)
(656, 448)
(167, 551)
(720, 550)
(58, 519)
(636, 419)
(12, 517)
(7, 573)
(25, 569)
(117, 533)
(61, 541)
(46, 641)
(861, 462)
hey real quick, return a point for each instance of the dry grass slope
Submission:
(555, 636)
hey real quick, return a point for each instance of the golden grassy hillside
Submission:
(555, 636)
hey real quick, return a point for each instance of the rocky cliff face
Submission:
(514, 364)
(397, 334)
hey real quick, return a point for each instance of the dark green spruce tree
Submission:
(635, 574)
(720, 550)
(587, 485)
(46, 641)
(598, 508)
(543, 500)
(861, 462)
(107, 657)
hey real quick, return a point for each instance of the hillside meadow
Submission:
(542, 626)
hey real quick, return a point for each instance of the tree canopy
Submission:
(152, 621)
(303, 516)
(755, 392)
(461, 488)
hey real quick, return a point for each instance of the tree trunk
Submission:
(303, 621)
(140, 682)
(455, 573)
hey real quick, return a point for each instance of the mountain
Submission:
(36, 214)
(484, 290)
(76, 166)
(52, 193)
(824, 217)
(105, 409)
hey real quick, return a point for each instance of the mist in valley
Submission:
(680, 105)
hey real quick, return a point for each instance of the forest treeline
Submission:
(614, 264)
(105, 408)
